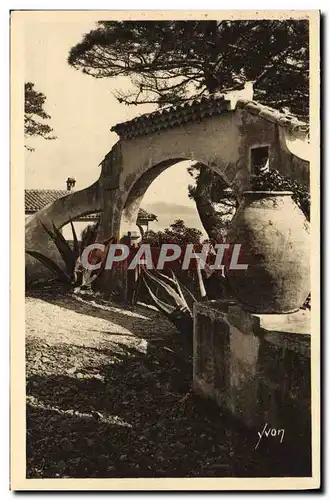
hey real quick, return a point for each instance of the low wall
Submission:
(257, 369)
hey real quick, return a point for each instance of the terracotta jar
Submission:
(274, 234)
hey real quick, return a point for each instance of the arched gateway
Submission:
(211, 130)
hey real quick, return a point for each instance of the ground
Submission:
(109, 395)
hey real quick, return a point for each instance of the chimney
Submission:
(70, 183)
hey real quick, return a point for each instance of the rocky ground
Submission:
(109, 395)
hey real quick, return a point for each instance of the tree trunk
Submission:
(214, 225)
(211, 220)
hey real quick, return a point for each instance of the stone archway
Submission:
(135, 195)
(220, 139)
(60, 212)
(208, 130)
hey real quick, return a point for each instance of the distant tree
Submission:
(177, 233)
(33, 111)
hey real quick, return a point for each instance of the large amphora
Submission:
(274, 235)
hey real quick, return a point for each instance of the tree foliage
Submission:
(33, 112)
(169, 62)
(273, 180)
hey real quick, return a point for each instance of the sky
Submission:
(83, 109)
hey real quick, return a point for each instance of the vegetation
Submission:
(69, 255)
(174, 290)
(73, 274)
(174, 299)
(177, 233)
(170, 62)
(273, 180)
(33, 111)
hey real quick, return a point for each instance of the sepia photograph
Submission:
(168, 291)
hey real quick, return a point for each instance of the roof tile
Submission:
(197, 110)
(36, 199)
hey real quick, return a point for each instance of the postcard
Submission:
(165, 250)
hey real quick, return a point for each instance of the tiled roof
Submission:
(197, 110)
(273, 115)
(146, 216)
(36, 199)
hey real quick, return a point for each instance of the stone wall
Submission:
(257, 369)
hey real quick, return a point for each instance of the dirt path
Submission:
(108, 395)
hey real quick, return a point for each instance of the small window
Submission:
(259, 160)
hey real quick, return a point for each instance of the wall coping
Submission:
(201, 109)
(290, 331)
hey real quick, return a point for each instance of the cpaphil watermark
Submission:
(212, 259)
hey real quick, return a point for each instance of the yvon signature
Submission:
(270, 432)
